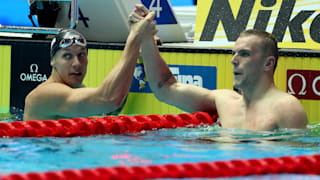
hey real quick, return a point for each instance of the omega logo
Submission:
(304, 84)
(303, 89)
(34, 68)
(33, 76)
(314, 83)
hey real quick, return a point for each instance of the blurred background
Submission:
(15, 12)
(29, 13)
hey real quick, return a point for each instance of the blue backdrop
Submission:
(15, 12)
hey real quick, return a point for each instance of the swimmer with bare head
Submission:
(260, 105)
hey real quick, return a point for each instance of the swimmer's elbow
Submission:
(160, 93)
(164, 91)
(106, 104)
(116, 101)
(161, 97)
(165, 95)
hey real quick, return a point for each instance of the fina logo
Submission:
(140, 76)
(196, 80)
(33, 76)
(202, 76)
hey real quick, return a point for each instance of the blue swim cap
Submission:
(66, 38)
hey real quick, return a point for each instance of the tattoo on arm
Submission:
(165, 78)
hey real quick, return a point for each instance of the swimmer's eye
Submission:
(83, 54)
(67, 56)
(244, 53)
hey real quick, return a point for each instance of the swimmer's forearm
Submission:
(157, 70)
(166, 87)
(117, 84)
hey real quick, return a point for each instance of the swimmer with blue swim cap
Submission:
(64, 96)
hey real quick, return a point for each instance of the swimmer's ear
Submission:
(269, 63)
(52, 62)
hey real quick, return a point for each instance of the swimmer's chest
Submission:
(235, 115)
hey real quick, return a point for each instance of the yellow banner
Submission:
(294, 23)
(5, 74)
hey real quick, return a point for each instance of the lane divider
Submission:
(307, 164)
(102, 125)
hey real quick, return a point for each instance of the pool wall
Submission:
(25, 64)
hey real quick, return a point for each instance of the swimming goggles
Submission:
(68, 42)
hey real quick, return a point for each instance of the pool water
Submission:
(205, 143)
(11, 114)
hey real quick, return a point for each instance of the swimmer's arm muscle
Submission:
(116, 85)
(167, 89)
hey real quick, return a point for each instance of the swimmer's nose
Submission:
(234, 60)
(76, 62)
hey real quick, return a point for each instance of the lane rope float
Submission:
(307, 164)
(102, 125)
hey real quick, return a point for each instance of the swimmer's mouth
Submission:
(76, 74)
(236, 73)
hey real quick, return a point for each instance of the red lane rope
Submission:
(292, 165)
(102, 125)
(138, 123)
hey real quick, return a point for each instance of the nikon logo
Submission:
(286, 20)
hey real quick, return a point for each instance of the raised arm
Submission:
(167, 89)
(162, 82)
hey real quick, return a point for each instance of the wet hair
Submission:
(269, 43)
(61, 35)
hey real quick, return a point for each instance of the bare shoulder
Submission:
(45, 90)
(286, 100)
(291, 112)
(224, 94)
(36, 102)
(44, 93)
(224, 99)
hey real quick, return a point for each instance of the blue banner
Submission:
(202, 76)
